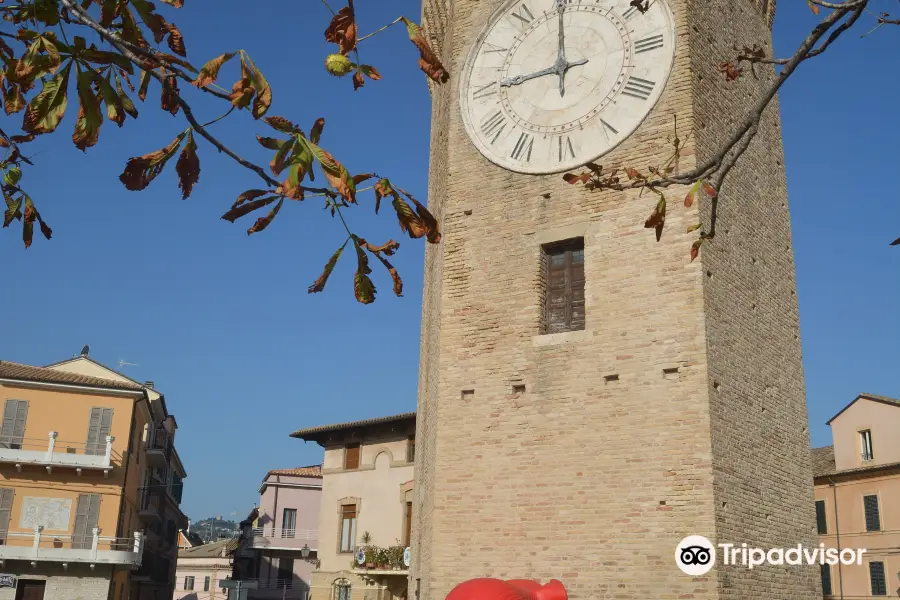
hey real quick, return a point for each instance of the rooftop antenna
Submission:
(86, 350)
(123, 363)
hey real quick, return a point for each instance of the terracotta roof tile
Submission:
(10, 370)
(823, 461)
(312, 471)
(302, 433)
(211, 550)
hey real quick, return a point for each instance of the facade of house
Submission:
(284, 536)
(857, 492)
(79, 450)
(366, 503)
(200, 569)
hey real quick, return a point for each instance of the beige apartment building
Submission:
(857, 490)
(366, 508)
(89, 484)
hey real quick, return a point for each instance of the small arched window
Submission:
(342, 589)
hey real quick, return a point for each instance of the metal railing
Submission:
(293, 534)
(36, 544)
(158, 439)
(52, 451)
(295, 589)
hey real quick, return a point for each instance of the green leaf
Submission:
(13, 210)
(13, 176)
(280, 160)
(127, 104)
(90, 118)
(319, 284)
(45, 110)
(115, 109)
(263, 99)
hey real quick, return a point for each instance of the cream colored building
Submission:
(366, 488)
(857, 488)
(200, 569)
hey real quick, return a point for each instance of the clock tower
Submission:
(588, 396)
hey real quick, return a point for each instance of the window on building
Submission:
(821, 523)
(189, 583)
(876, 576)
(6, 502)
(342, 590)
(13, 432)
(826, 579)
(407, 527)
(206, 584)
(563, 286)
(87, 515)
(289, 523)
(285, 572)
(865, 444)
(99, 424)
(873, 517)
(348, 527)
(411, 449)
(351, 456)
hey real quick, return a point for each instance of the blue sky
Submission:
(224, 326)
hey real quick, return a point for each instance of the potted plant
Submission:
(382, 559)
(396, 557)
(370, 557)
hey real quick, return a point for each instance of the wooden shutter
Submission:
(6, 502)
(15, 413)
(98, 428)
(351, 456)
(407, 531)
(564, 287)
(876, 575)
(873, 518)
(821, 522)
(825, 571)
(87, 515)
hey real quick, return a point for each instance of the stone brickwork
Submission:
(679, 410)
(78, 583)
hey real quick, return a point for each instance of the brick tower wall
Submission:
(619, 445)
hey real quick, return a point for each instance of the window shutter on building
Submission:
(873, 518)
(351, 456)
(87, 515)
(14, 415)
(821, 522)
(6, 501)
(98, 428)
(564, 294)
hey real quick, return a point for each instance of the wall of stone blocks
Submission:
(76, 583)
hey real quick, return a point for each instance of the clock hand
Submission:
(561, 63)
(523, 78)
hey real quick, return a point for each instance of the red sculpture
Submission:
(514, 589)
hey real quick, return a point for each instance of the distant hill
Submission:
(215, 528)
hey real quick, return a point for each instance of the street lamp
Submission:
(304, 551)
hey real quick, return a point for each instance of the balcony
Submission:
(35, 546)
(155, 568)
(153, 502)
(269, 538)
(52, 454)
(277, 589)
(158, 448)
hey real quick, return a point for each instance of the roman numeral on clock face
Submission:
(494, 126)
(632, 10)
(484, 91)
(522, 14)
(522, 149)
(649, 43)
(566, 150)
(638, 88)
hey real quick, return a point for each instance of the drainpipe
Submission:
(837, 531)
(274, 522)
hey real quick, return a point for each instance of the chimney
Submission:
(148, 384)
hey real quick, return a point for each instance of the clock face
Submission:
(552, 84)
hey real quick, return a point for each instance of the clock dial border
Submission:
(600, 126)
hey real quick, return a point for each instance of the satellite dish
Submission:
(360, 556)
(86, 350)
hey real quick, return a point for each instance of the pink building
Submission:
(284, 538)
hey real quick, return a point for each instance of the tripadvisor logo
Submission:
(696, 555)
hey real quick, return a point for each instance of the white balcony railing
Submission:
(295, 589)
(287, 539)
(35, 545)
(52, 453)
